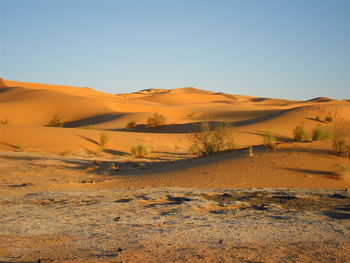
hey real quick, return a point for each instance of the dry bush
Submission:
(19, 146)
(4, 121)
(55, 121)
(103, 141)
(131, 125)
(328, 119)
(342, 171)
(140, 150)
(300, 134)
(207, 141)
(341, 140)
(270, 141)
(156, 121)
(321, 133)
(250, 151)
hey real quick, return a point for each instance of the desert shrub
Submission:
(300, 134)
(131, 125)
(250, 151)
(207, 141)
(328, 118)
(4, 121)
(342, 171)
(55, 121)
(156, 121)
(19, 146)
(270, 141)
(103, 141)
(194, 150)
(140, 150)
(318, 118)
(341, 139)
(320, 133)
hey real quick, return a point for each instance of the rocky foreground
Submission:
(176, 225)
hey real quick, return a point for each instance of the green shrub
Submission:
(131, 125)
(156, 121)
(104, 139)
(270, 141)
(140, 151)
(55, 121)
(320, 133)
(207, 141)
(300, 135)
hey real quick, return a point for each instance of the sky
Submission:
(296, 49)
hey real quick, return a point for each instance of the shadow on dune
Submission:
(279, 138)
(93, 120)
(309, 171)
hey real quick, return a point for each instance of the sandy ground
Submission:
(64, 199)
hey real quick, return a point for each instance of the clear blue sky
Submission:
(296, 49)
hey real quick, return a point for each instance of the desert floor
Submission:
(64, 199)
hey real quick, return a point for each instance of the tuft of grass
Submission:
(328, 118)
(208, 141)
(341, 139)
(56, 121)
(270, 141)
(4, 121)
(19, 146)
(300, 134)
(66, 153)
(156, 121)
(140, 150)
(103, 141)
(250, 151)
(320, 133)
(342, 171)
(131, 125)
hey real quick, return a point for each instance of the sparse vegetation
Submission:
(156, 121)
(4, 121)
(131, 125)
(66, 153)
(56, 121)
(300, 134)
(140, 151)
(19, 146)
(270, 141)
(207, 141)
(318, 118)
(328, 118)
(342, 171)
(250, 151)
(341, 140)
(103, 141)
(321, 133)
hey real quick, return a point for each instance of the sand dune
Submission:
(30, 106)
(64, 198)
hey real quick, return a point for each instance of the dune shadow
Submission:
(308, 171)
(97, 119)
(88, 139)
(279, 138)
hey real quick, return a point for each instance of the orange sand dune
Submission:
(28, 107)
